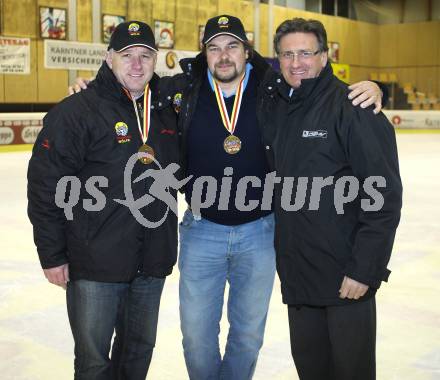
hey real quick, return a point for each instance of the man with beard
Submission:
(226, 242)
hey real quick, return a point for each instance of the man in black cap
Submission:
(224, 242)
(113, 267)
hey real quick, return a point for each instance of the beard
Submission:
(226, 78)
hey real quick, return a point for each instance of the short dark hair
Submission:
(247, 47)
(300, 25)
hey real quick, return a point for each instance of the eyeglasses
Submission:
(301, 54)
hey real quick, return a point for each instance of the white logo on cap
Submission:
(133, 29)
(223, 22)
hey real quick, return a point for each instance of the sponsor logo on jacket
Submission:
(122, 132)
(320, 134)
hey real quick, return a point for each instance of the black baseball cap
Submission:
(132, 33)
(224, 24)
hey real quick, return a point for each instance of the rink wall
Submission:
(18, 131)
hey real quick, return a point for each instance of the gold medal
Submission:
(232, 144)
(146, 159)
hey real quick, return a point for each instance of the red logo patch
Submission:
(123, 139)
(168, 132)
(45, 144)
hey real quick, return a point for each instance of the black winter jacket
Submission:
(79, 138)
(318, 133)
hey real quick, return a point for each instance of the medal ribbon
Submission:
(145, 129)
(229, 123)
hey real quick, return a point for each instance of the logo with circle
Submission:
(121, 128)
(223, 22)
(396, 120)
(170, 60)
(133, 29)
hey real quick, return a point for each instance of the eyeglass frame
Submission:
(299, 54)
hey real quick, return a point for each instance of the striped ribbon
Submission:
(229, 123)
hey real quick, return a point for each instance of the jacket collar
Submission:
(194, 67)
(313, 86)
(275, 82)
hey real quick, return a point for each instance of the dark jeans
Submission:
(96, 310)
(334, 342)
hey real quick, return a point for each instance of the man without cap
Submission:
(333, 251)
(114, 268)
(224, 241)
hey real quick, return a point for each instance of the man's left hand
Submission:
(352, 289)
(58, 275)
(366, 93)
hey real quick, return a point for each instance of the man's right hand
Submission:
(58, 275)
(352, 289)
(79, 85)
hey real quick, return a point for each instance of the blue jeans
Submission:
(210, 255)
(96, 310)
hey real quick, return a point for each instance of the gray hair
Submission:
(300, 25)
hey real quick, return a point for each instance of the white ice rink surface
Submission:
(35, 338)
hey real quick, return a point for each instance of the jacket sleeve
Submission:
(371, 149)
(58, 151)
